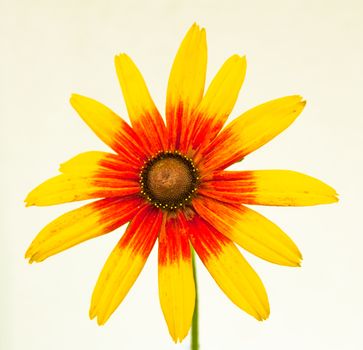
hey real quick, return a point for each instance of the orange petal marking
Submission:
(229, 269)
(91, 162)
(186, 85)
(125, 263)
(145, 117)
(88, 175)
(110, 128)
(250, 230)
(79, 225)
(217, 104)
(267, 187)
(69, 188)
(250, 131)
(176, 281)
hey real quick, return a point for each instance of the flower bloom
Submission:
(169, 181)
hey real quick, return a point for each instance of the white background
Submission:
(50, 49)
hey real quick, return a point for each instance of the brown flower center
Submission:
(169, 180)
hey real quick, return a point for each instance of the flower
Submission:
(169, 181)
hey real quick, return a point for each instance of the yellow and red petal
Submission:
(229, 269)
(250, 131)
(176, 280)
(95, 163)
(145, 117)
(79, 225)
(250, 230)
(69, 188)
(268, 187)
(110, 128)
(125, 263)
(186, 84)
(218, 102)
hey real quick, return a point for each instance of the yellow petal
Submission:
(229, 269)
(286, 188)
(94, 163)
(79, 225)
(109, 127)
(69, 188)
(125, 264)
(84, 163)
(267, 187)
(250, 230)
(186, 83)
(176, 281)
(219, 101)
(252, 130)
(145, 118)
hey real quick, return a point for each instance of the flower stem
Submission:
(194, 345)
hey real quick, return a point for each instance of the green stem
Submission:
(194, 345)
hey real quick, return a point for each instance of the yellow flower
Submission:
(169, 181)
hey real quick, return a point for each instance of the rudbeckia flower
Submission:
(169, 181)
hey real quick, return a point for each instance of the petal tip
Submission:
(101, 320)
(195, 26)
(266, 312)
(32, 198)
(177, 338)
(265, 317)
(121, 56)
(28, 257)
(295, 99)
(262, 315)
(297, 262)
(28, 253)
(236, 58)
(92, 313)
(335, 197)
(196, 29)
(293, 262)
(28, 200)
(74, 98)
(240, 61)
(300, 104)
(61, 167)
(299, 258)
(330, 195)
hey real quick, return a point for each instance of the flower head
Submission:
(169, 181)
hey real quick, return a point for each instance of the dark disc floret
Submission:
(169, 180)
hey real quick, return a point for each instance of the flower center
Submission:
(169, 180)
